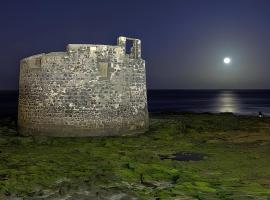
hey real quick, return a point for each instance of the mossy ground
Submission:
(237, 165)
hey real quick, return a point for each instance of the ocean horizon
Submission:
(240, 101)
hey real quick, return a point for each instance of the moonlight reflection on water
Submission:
(213, 101)
(227, 102)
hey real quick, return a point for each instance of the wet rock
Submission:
(64, 188)
(145, 183)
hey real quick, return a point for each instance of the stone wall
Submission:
(89, 90)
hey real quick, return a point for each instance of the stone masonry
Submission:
(89, 90)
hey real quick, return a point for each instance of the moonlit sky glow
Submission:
(183, 42)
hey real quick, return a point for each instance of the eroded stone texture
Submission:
(89, 90)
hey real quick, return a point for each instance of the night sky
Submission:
(183, 42)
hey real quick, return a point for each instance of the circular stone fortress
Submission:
(89, 90)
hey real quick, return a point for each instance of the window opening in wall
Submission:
(129, 45)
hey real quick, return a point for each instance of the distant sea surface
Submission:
(247, 102)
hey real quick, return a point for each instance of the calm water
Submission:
(214, 101)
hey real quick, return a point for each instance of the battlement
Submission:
(120, 49)
(135, 49)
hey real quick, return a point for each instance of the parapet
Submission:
(121, 49)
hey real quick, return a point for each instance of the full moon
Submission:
(227, 60)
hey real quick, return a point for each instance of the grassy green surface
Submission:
(236, 165)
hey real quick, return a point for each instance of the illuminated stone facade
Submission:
(89, 90)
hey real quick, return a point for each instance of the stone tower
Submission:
(89, 90)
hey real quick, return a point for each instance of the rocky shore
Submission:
(182, 156)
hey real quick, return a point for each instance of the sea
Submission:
(240, 102)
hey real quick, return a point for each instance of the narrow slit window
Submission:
(129, 46)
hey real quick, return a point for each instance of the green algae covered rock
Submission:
(235, 164)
